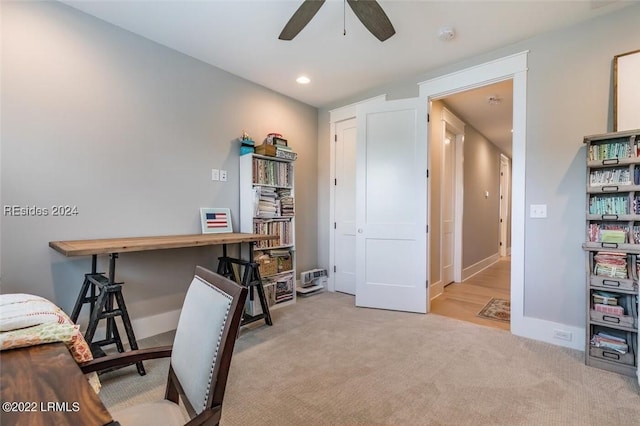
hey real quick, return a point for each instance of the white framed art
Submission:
(626, 95)
(215, 220)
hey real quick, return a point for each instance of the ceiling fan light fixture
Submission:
(446, 33)
(369, 12)
(303, 79)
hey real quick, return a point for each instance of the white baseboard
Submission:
(545, 331)
(479, 266)
(144, 327)
(156, 324)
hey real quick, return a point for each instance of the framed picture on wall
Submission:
(626, 91)
(215, 220)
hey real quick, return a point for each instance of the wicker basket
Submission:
(267, 266)
(285, 264)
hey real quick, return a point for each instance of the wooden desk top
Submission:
(123, 245)
(51, 386)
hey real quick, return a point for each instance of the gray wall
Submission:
(481, 217)
(569, 96)
(128, 131)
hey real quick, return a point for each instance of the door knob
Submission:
(359, 230)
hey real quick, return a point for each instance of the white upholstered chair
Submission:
(200, 356)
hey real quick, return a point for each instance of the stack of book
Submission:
(614, 149)
(609, 341)
(610, 264)
(609, 204)
(616, 176)
(286, 202)
(265, 201)
(608, 232)
(269, 172)
(604, 298)
(285, 153)
(607, 303)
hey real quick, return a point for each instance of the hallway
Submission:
(464, 300)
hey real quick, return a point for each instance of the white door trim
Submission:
(510, 67)
(335, 116)
(505, 177)
(456, 126)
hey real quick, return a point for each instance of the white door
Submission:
(448, 206)
(391, 206)
(345, 207)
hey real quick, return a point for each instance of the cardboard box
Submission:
(265, 149)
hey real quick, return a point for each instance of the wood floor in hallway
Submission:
(464, 300)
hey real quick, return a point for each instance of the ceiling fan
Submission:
(369, 12)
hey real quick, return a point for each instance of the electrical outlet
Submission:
(538, 211)
(223, 175)
(215, 174)
(562, 335)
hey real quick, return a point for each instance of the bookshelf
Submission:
(612, 247)
(267, 206)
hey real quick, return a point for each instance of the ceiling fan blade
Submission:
(300, 19)
(370, 13)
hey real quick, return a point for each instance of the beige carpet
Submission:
(324, 362)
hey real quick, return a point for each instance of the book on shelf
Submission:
(601, 297)
(609, 232)
(614, 148)
(270, 172)
(614, 176)
(610, 204)
(613, 236)
(608, 309)
(609, 264)
(609, 341)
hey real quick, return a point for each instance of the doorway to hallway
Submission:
(464, 300)
(476, 184)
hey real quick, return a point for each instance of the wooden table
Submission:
(131, 244)
(43, 385)
(103, 304)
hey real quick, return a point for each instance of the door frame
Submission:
(513, 67)
(335, 116)
(505, 190)
(456, 126)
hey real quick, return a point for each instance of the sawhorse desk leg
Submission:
(103, 306)
(250, 279)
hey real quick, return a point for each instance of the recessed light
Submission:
(303, 79)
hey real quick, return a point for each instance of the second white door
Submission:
(345, 207)
(391, 206)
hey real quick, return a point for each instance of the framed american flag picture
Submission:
(215, 220)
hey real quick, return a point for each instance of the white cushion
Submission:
(198, 337)
(162, 412)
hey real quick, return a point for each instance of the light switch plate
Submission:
(223, 175)
(215, 174)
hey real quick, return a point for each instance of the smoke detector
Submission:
(494, 100)
(446, 34)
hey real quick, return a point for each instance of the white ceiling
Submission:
(241, 37)
(489, 110)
